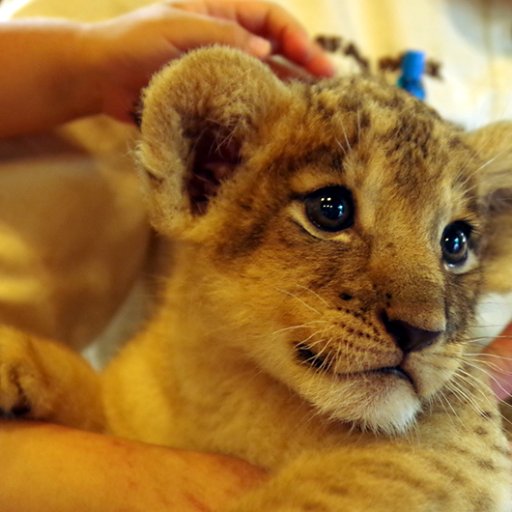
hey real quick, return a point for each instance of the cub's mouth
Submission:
(318, 362)
(380, 395)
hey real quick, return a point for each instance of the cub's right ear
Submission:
(493, 145)
(197, 114)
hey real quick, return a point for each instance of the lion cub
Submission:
(331, 242)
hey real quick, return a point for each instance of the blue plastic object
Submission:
(413, 67)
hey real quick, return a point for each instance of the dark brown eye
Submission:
(455, 243)
(330, 209)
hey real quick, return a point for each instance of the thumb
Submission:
(204, 31)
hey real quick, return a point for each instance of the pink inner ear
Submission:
(215, 160)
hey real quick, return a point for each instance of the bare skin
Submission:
(58, 70)
(80, 471)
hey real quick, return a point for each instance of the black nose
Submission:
(409, 337)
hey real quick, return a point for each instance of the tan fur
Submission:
(255, 284)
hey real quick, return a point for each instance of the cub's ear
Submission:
(198, 112)
(493, 145)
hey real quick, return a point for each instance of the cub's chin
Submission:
(385, 399)
(382, 401)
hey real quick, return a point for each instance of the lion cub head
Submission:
(337, 236)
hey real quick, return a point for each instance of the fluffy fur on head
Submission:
(366, 320)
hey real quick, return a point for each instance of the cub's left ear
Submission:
(493, 145)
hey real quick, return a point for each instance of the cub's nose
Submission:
(409, 337)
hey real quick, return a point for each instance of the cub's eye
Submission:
(455, 243)
(330, 209)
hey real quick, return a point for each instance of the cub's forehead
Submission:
(368, 132)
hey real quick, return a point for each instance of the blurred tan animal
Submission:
(330, 243)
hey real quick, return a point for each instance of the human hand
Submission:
(127, 50)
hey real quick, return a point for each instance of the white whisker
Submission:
(304, 303)
(319, 297)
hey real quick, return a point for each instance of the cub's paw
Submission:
(24, 390)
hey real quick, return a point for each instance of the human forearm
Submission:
(45, 467)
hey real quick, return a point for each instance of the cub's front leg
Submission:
(43, 380)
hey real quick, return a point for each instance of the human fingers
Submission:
(129, 49)
(272, 22)
(499, 356)
(199, 30)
